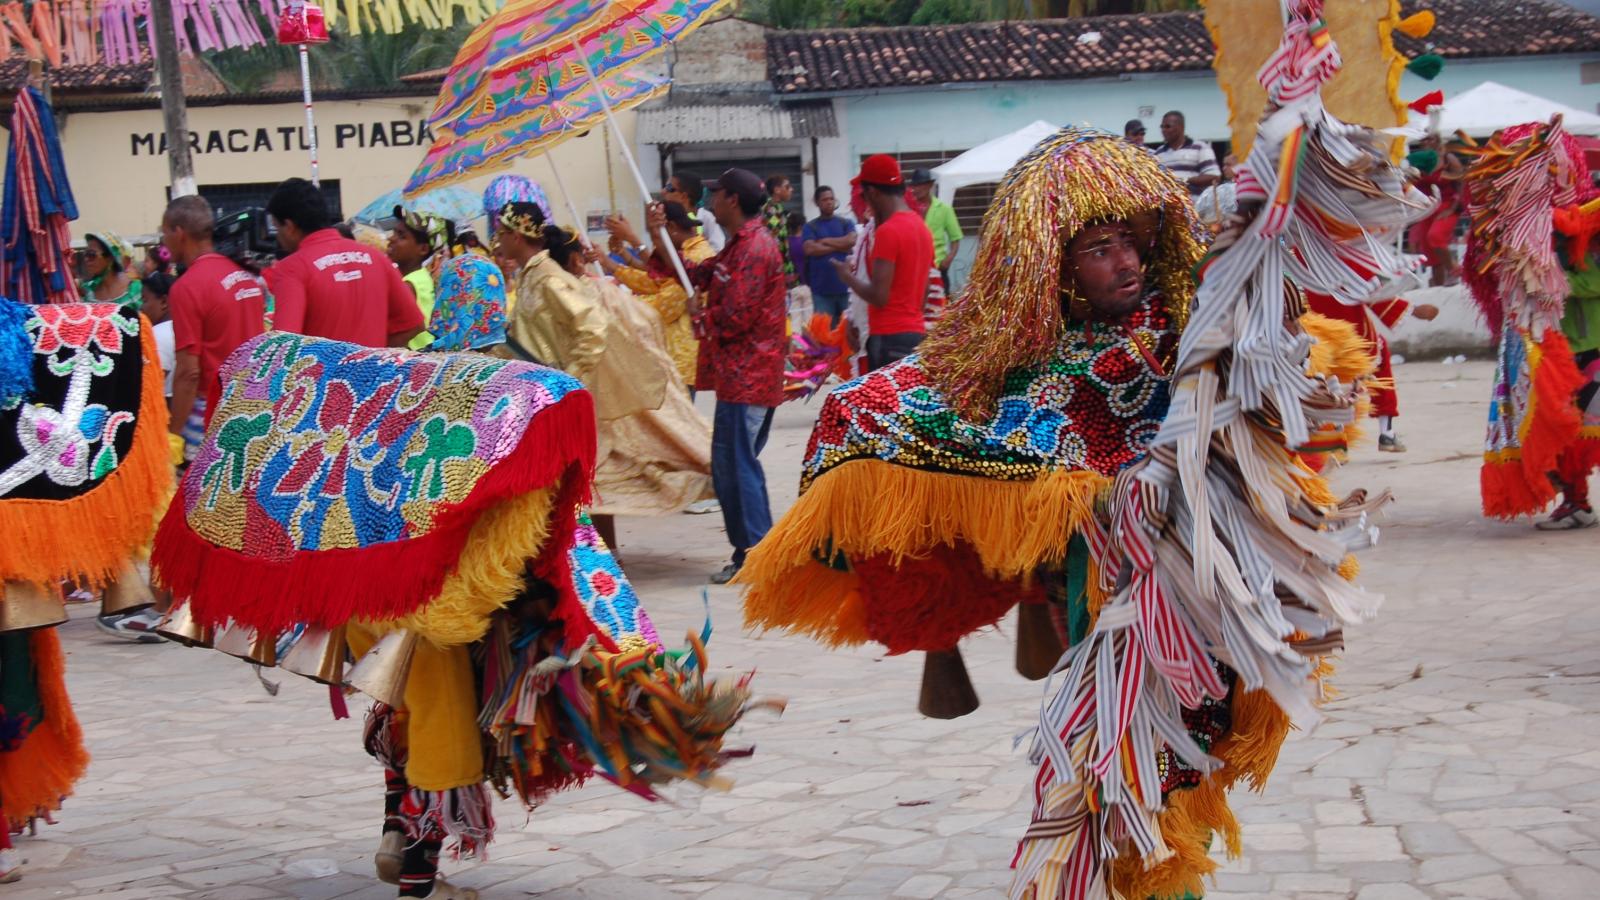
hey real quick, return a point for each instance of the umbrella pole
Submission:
(633, 166)
(578, 225)
(311, 123)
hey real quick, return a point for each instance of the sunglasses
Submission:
(93, 254)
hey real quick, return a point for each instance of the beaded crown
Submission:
(1010, 313)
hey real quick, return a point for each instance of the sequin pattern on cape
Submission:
(1091, 407)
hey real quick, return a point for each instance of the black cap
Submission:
(920, 176)
(1133, 126)
(742, 183)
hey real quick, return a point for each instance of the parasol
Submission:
(38, 204)
(490, 70)
(551, 44)
(494, 146)
(453, 203)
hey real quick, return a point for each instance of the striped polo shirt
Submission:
(1193, 158)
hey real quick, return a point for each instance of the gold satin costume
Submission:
(667, 297)
(653, 450)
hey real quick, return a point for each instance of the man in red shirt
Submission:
(216, 305)
(901, 258)
(739, 315)
(330, 286)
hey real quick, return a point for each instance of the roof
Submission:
(698, 122)
(863, 59)
(95, 77)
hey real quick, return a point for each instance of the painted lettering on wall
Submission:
(287, 138)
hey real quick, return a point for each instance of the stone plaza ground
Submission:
(1461, 759)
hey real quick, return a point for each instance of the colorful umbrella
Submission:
(551, 43)
(511, 188)
(488, 148)
(455, 204)
(35, 245)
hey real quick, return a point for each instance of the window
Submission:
(709, 168)
(232, 198)
(970, 202)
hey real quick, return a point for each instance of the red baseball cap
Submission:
(880, 169)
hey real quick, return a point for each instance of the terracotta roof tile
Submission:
(97, 77)
(1064, 49)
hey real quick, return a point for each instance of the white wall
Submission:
(121, 184)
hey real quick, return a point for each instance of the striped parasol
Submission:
(35, 245)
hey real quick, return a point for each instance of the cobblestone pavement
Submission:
(1462, 760)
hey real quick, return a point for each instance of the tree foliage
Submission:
(347, 62)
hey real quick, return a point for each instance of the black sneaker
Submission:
(727, 574)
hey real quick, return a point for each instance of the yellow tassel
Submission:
(871, 508)
(1418, 24)
(488, 574)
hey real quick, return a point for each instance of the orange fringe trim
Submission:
(1516, 482)
(873, 508)
(87, 538)
(1193, 815)
(38, 775)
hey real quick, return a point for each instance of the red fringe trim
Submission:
(1579, 460)
(88, 537)
(40, 773)
(932, 602)
(384, 581)
(1519, 484)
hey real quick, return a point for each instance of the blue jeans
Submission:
(832, 304)
(738, 432)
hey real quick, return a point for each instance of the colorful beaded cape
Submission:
(82, 446)
(917, 526)
(1091, 407)
(606, 594)
(340, 482)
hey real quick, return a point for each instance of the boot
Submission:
(1038, 646)
(947, 692)
(391, 852)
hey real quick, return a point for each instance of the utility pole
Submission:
(174, 107)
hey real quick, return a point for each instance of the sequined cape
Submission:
(916, 525)
(340, 482)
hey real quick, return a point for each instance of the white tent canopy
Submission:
(989, 160)
(1491, 106)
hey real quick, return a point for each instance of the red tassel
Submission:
(931, 603)
(1423, 103)
(383, 581)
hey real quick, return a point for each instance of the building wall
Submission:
(727, 50)
(118, 169)
(962, 118)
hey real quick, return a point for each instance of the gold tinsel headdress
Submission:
(1009, 315)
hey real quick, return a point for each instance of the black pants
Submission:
(883, 349)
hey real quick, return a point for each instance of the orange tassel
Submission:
(89, 537)
(39, 774)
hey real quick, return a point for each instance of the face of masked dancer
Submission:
(1104, 272)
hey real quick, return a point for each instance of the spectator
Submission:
(941, 220)
(776, 216)
(1194, 163)
(216, 305)
(415, 239)
(140, 625)
(795, 247)
(901, 258)
(1133, 132)
(687, 189)
(827, 239)
(331, 286)
(657, 284)
(110, 278)
(742, 346)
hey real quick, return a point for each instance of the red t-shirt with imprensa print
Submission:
(343, 290)
(903, 239)
(215, 307)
